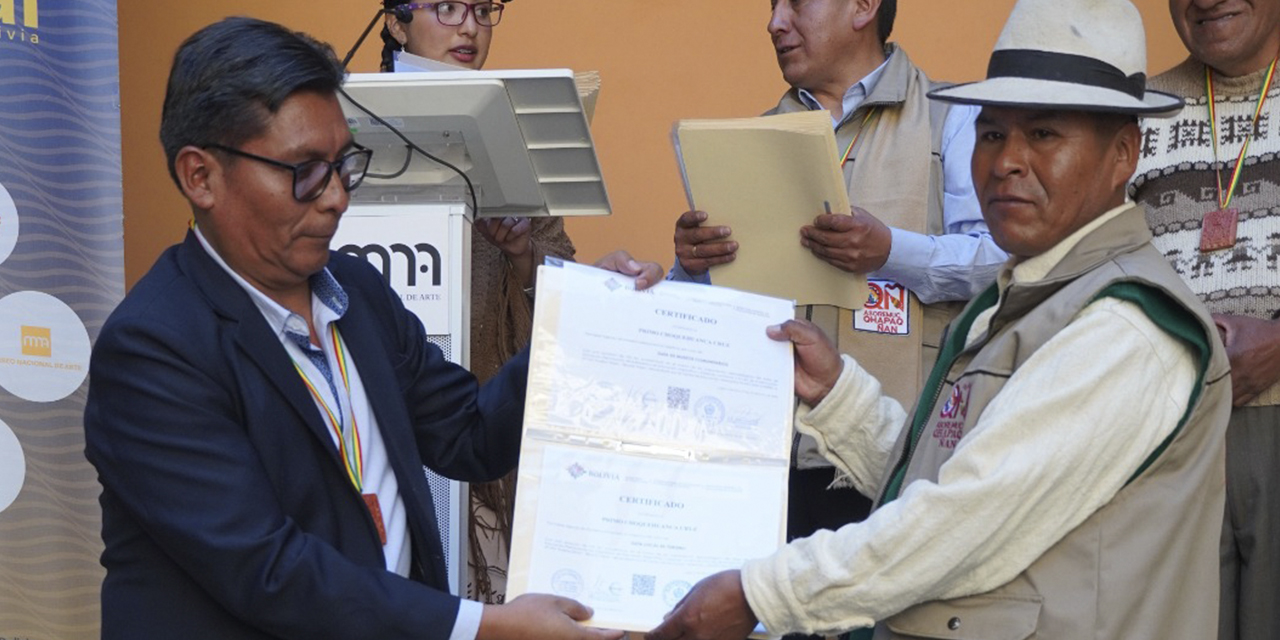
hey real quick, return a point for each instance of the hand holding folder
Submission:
(765, 178)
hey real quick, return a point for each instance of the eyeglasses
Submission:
(452, 14)
(311, 178)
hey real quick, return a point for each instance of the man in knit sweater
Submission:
(1060, 476)
(1192, 190)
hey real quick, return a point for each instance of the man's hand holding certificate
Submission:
(656, 441)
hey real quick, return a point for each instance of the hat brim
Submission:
(1049, 94)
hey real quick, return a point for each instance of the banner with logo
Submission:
(61, 274)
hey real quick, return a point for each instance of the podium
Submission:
(424, 253)
(524, 142)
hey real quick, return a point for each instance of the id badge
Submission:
(375, 510)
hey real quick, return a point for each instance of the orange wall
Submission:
(660, 60)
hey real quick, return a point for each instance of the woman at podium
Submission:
(505, 253)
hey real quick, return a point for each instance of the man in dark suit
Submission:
(260, 409)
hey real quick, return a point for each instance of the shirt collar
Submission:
(854, 96)
(1035, 268)
(329, 301)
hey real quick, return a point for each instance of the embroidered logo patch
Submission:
(886, 310)
(951, 417)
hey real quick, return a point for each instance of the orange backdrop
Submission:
(660, 61)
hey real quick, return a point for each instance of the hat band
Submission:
(1064, 67)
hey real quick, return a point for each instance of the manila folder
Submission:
(765, 178)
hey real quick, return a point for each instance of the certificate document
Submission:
(656, 441)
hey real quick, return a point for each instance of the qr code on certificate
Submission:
(678, 398)
(642, 585)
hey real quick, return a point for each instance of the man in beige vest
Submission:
(916, 226)
(1061, 477)
(1219, 162)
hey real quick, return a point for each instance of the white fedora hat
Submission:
(1081, 55)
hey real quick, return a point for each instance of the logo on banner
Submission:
(20, 30)
(886, 311)
(409, 271)
(33, 366)
(37, 342)
(412, 263)
(8, 221)
(951, 417)
(423, 259)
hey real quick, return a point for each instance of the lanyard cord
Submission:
(349, 446)
(871, 113)
(1225, 199)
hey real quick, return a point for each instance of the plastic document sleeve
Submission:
(656, 441)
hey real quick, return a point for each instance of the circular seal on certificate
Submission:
(709, 410)
(674, 591)
(567, 582)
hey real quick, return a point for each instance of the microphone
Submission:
(402, 13)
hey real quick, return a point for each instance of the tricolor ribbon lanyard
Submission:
(871, 113)
(1218, 230)
(349, 447)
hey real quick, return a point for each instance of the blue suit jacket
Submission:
(226, 512)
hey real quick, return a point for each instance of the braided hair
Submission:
(389, 44)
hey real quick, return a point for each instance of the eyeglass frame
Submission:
(495, 7)
(333, 167)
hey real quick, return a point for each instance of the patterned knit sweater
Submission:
(1176, 181)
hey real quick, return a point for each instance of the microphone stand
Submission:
(363, 35)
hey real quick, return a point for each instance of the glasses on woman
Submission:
(452, 14)
(311, 178)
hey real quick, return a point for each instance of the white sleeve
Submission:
(960, 263)
(855, 426)
(467, 625)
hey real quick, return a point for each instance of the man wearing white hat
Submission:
(1210, 179)
(1061, 476)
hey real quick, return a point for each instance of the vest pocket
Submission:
(973, 618)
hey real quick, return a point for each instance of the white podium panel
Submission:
(521, 136)
(424, 253)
